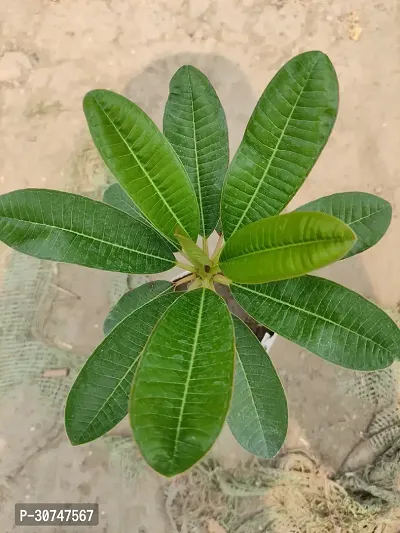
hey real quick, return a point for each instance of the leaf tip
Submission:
(71, 437)
(90, 96)
(185, 70)
(351, 236)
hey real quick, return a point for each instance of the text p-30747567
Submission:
(56, 514)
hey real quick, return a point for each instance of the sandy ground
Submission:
(52, 52)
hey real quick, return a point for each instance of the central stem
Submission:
(204, 275)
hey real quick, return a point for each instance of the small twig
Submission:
(66, 291)
(185, 279)
(55, 373)
(60, 344)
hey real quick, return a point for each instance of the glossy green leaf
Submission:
(192, 251)
(143, 162)
(195, 125)
(116, 196)
(366, 214)
(330, 320)
(285, 246)
(135, 299)
(258, 416)
(98, 400)
(183, 385)
(284, 137)
(69, 228)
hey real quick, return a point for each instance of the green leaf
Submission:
(143, 162)
(135, 299)
(195, 254)
(366, 214)
(195, 125)
(284, 137)
(73, 229)
(285, 246)
(258, 416)
(98, 400)
(333, 322)
(183, 385)
(116, 196)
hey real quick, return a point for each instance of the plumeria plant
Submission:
(178, 361)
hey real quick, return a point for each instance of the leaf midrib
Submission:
(138, 215)
(196, 154)
(372, 214)
(192, 358)
(16, 220)
(271, 250)
(252, 400)
(135, 362)
(261, 181)
(331, 212)
(141, 166)
(312, 314)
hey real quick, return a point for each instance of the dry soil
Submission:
(51, 53)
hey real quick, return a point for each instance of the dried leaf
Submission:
(354, 29)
